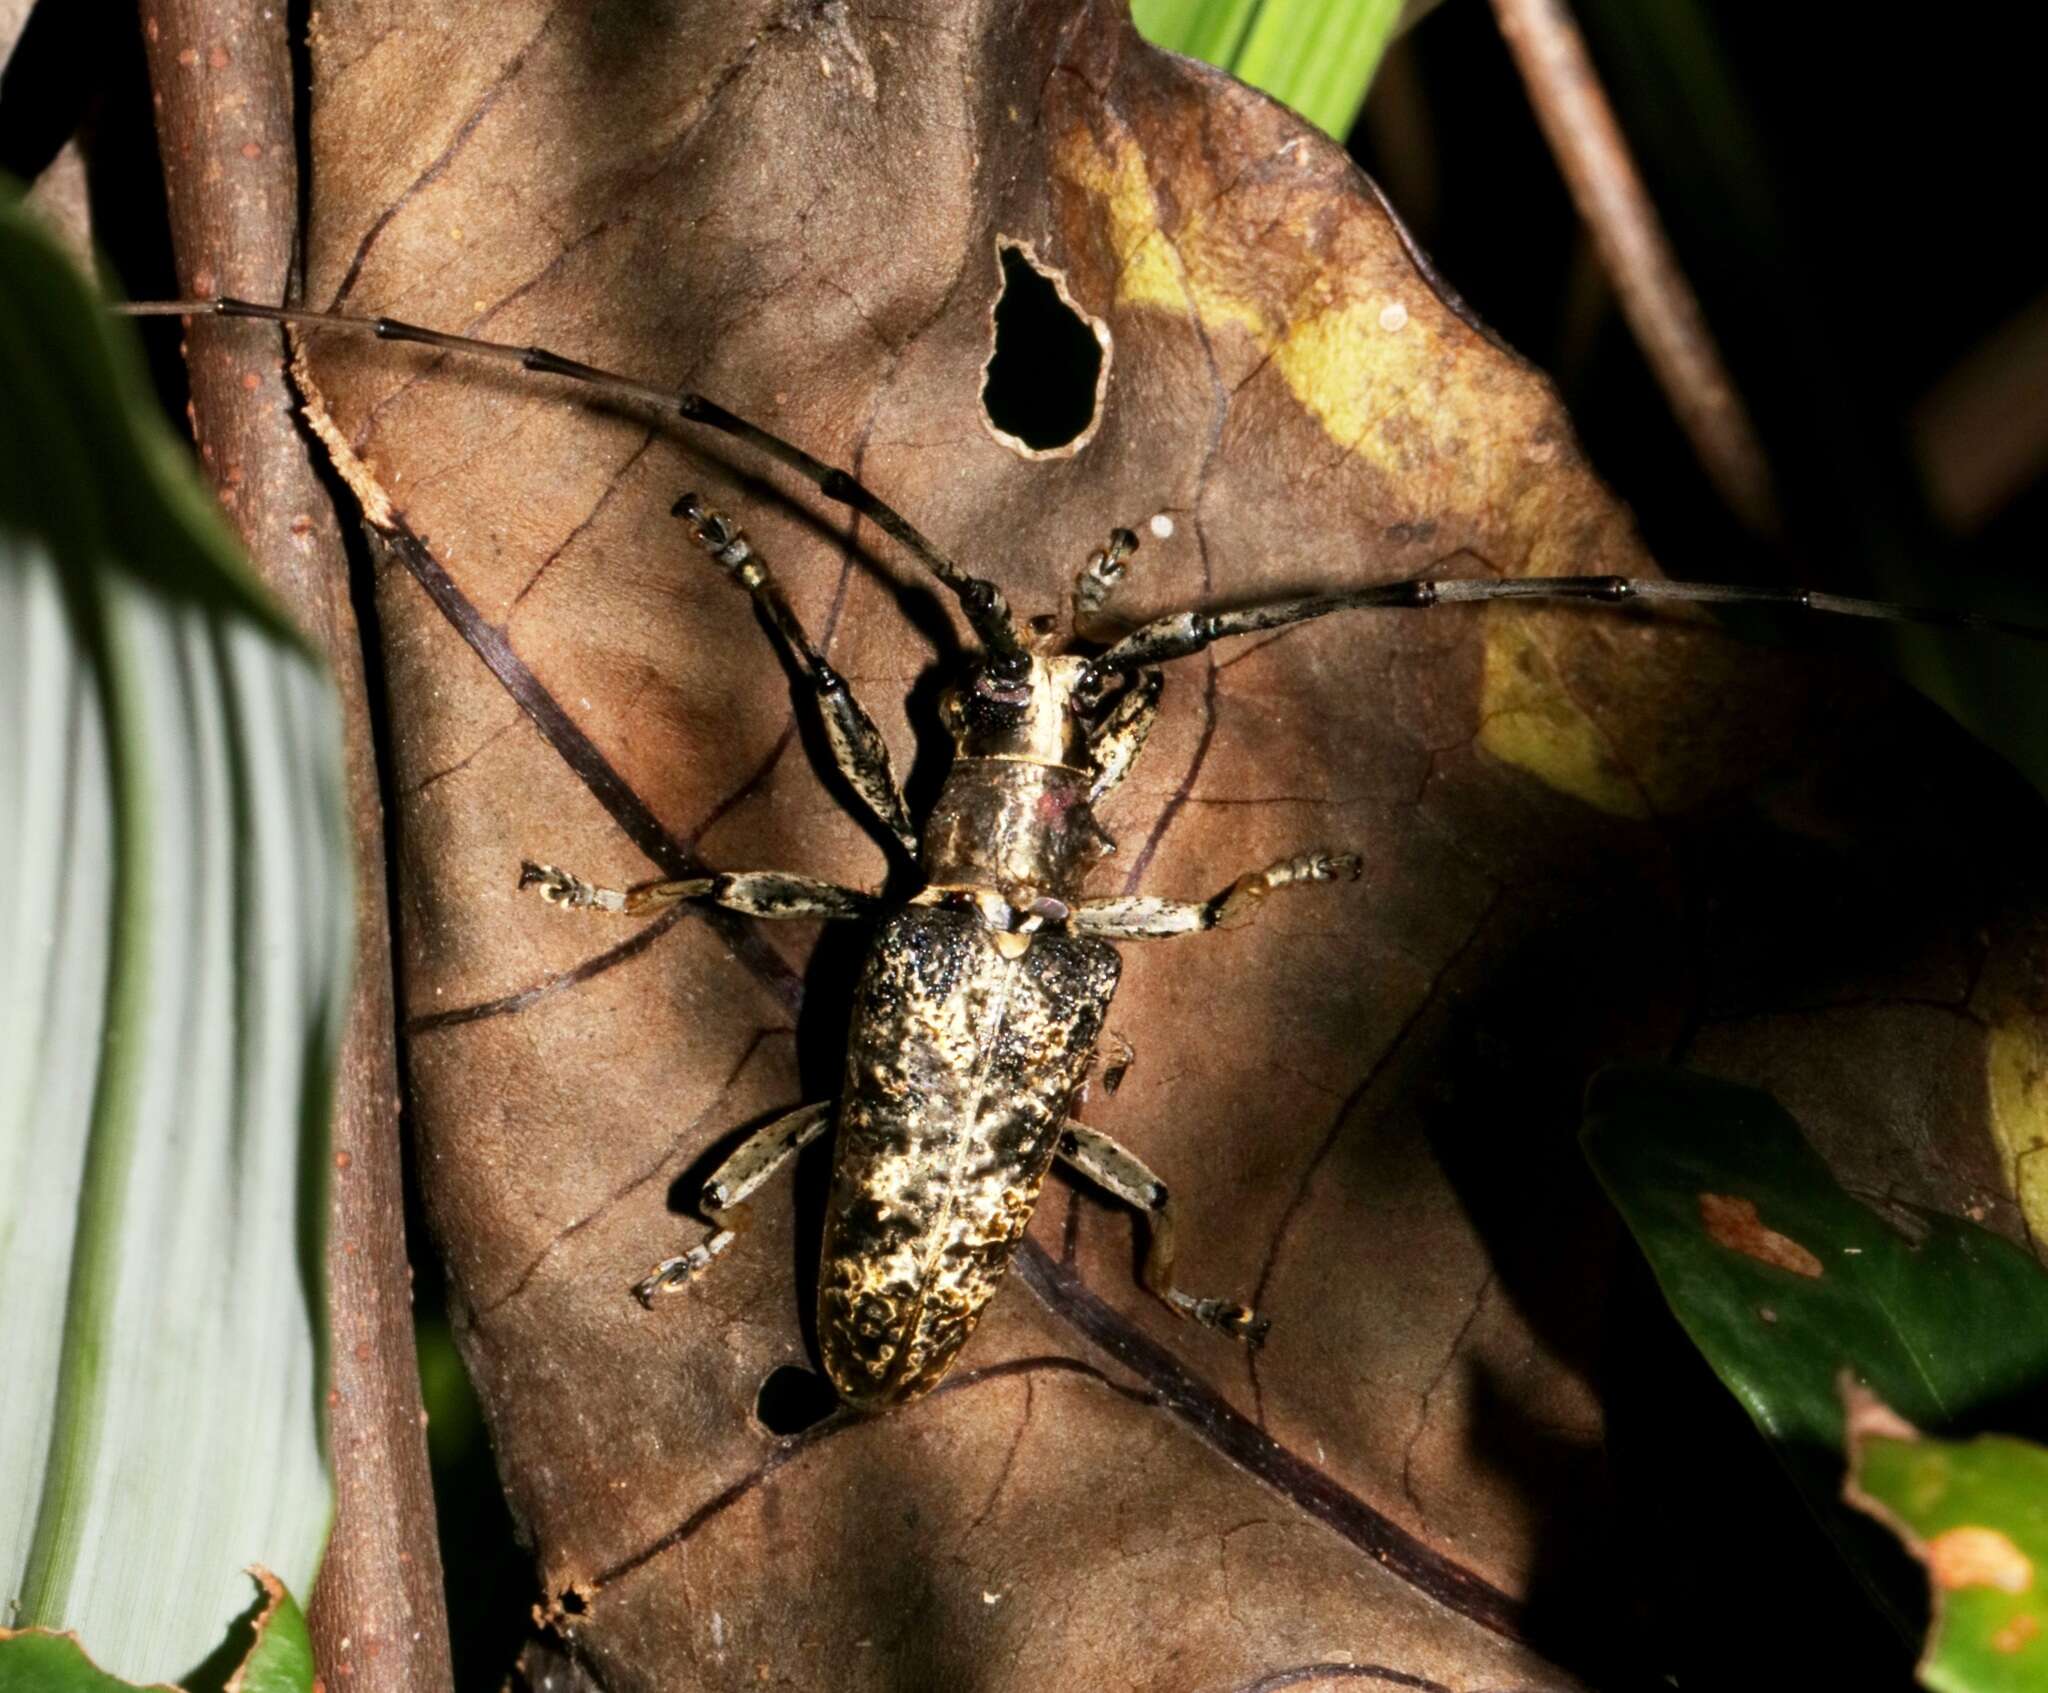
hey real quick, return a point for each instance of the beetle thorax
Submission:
(1013, 827)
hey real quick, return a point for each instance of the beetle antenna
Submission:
(982, 602)
(1181, 633)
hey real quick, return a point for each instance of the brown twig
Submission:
(222, 74)
(1659, 303)
(1981, 432)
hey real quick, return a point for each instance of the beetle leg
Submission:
(1098, 578)
(754, 893)
(857, 745)
(1116, 740)
(1109, 1166)
(1117, 1068)
(1140, 917)
(724, 1196)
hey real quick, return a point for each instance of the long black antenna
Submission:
(1184, 632)
(1165, 638)
(980, 600)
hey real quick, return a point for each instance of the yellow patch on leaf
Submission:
(2016, 1073)
(1527, 719)
(1403, 385)
(1377, 359)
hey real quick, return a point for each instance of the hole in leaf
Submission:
(571, 1603)
(794, 1399)
(1043, 381)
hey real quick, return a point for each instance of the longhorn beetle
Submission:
(978, 1011)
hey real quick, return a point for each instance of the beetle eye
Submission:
(993, 703)
(1001, 693)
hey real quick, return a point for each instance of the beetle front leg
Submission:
(754, 893)
(1118, 739)
(857, 745)
(1109, 1166)
(724, 1196)
(1138, 917)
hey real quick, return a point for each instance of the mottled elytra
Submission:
(983, 998)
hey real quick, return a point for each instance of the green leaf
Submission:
(279, 1660)
(174, 941)
(1975, 1514)
(34, 1660)
(1317, 56)
(1782, 1279)
(1209, 30)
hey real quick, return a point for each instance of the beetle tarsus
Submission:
(672, 1275)
(1098, 578)
(572, 893)
(1226, 1316)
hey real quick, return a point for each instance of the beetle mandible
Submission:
(984, 995)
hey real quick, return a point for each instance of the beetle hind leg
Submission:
(1122, 1173)
(732, 1184)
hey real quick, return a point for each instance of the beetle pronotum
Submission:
(984, 994)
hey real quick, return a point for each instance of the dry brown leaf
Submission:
(1586, 837)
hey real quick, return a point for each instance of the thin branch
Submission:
(223, 78)
(1658, 302)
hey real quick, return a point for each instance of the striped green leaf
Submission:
(1317, 56)
(174, 923)
(278, 1657)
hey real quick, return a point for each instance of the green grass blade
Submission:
(1317, 56)
(1209, 30)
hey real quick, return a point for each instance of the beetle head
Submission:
(995, 713)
